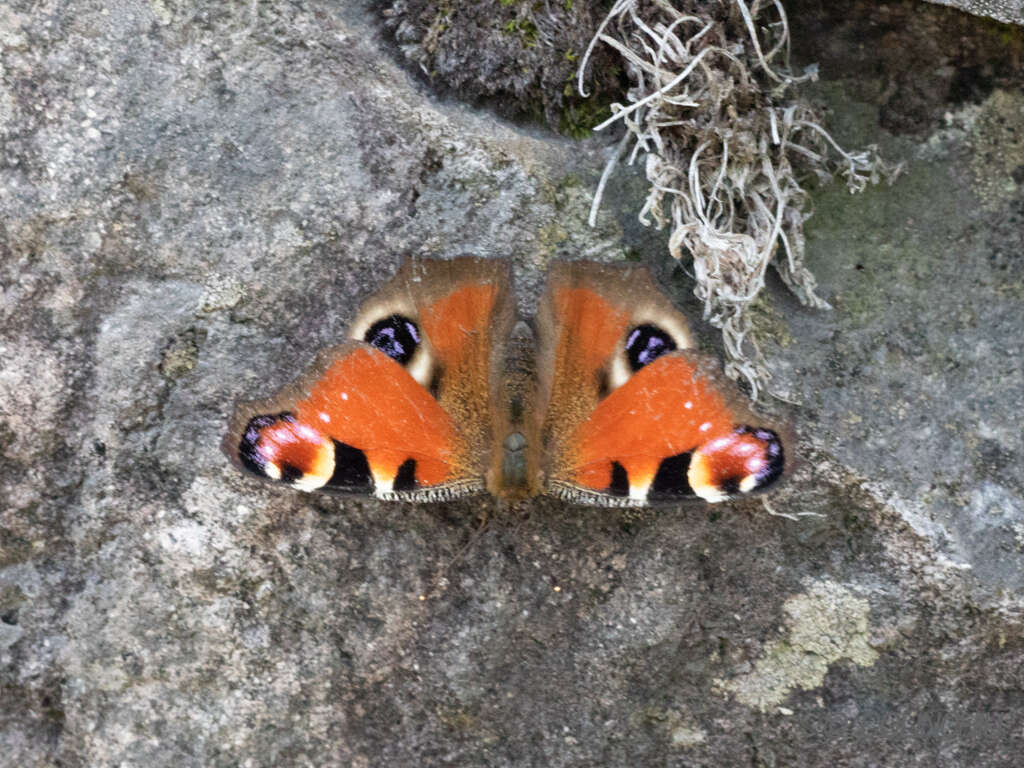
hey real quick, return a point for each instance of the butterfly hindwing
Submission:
(633, 415)
(404, 409)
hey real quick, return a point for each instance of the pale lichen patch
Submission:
(827, 623)
(997, 162)
(687, 735)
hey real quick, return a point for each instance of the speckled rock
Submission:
(194, 197)
(1009, 11)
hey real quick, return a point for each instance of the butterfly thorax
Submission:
(515, 471)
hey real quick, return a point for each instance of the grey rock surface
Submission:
(1009, 11)
(193, 198)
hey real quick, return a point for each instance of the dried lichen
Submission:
(710, 106)
(727, 150)
(997, 162)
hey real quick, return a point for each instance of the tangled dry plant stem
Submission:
(725, 150)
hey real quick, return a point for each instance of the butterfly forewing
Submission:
(633, 415)
(404, 409)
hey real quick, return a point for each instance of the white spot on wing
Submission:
(705, 426)
(310, 482)
(619, 371)
(668, 321)
(639, 492)
(378, 309)
(711, 493)
(421, 366)
(382, 485)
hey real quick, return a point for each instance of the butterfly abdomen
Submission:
(515, 470)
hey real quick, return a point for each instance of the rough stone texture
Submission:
(1010, 11)
(913, 60)
(192, 200)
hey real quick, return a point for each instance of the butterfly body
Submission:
(441, 393)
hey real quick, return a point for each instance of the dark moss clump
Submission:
(518, 56)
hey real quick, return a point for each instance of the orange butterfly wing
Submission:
(632, 417)
(402, 411)
(423, 403)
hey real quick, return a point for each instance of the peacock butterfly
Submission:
(440, 392)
